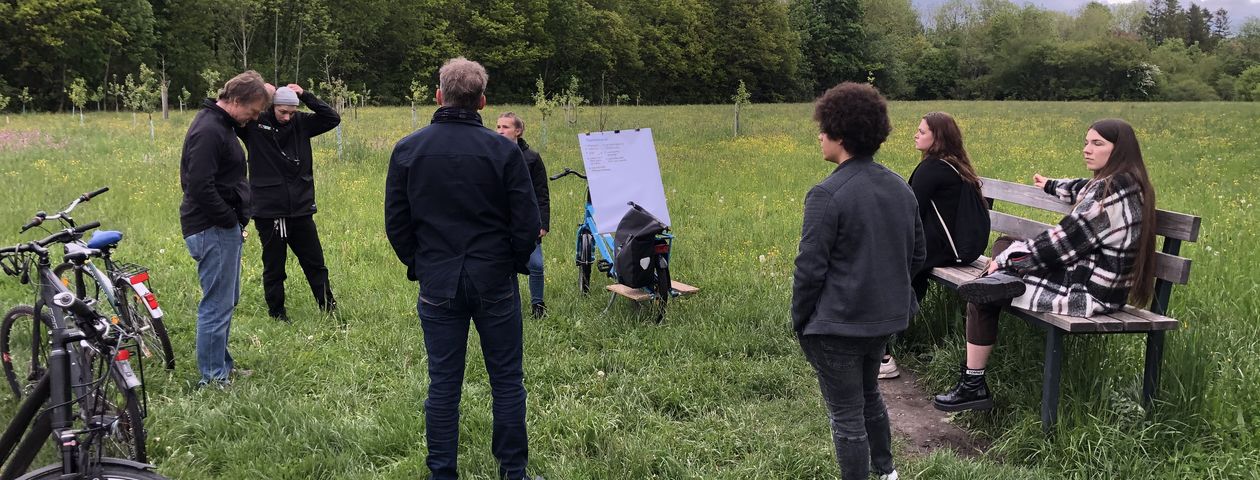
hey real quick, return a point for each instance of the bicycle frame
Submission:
(58, 392)
(135, 282)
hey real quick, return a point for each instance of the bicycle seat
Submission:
(76, 253)
(105, 238)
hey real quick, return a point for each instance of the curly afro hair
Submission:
(856, 115)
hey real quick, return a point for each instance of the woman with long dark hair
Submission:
(943, 176)
(1099, 256)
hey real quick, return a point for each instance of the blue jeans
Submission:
(848, 370)
(497, 316)
(217, 251)
(535, 267)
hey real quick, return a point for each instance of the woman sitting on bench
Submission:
(1100, 255)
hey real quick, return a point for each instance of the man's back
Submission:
(458, 198)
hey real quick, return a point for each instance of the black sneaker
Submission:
(539, 310)
(283, 317)
(996, 287)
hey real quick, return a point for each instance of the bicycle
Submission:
(123, 285)
(69, 381)
(590, 242)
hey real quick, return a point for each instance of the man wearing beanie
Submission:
(283, 185)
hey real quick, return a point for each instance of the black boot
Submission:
(971, 393)
(539, 310)
(997, 287)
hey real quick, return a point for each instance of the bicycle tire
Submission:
(113, 401)
(664, 286)
(21, 341)
(585, 257)
(112, 471)
(151, 330)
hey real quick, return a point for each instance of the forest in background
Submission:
(119, 54)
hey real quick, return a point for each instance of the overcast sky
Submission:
(1239, 10)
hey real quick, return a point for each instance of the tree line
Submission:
(60, 54)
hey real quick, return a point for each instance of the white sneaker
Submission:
(889, 476)
(887, 370)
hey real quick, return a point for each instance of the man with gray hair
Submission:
(214, 212)
(461, 216)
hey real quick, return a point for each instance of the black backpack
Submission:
(970, 235)
(636, 239)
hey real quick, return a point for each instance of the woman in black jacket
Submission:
(943, 173)
(511, 126)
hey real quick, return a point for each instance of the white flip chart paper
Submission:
(621, 167)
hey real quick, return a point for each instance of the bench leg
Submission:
(1150, 375)
(1050, 378)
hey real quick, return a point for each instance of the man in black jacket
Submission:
(215, 210)
(460, 214)
(512, 127)
(283, 184)
(861, 240)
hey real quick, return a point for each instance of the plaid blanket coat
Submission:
(1082, 266)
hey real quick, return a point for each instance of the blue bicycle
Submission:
(589, 243)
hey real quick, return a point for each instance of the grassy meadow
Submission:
(720, 389)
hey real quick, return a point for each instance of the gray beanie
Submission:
(285, 96)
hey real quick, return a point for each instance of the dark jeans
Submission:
(445, 324)
(847, 369)
(299, 234)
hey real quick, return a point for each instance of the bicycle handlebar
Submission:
(35, 221)
(64, 215)
(567, 171)
(88, 196)
(62, 236)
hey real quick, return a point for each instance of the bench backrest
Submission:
(1170, 267)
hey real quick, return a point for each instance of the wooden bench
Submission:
(1170, 269)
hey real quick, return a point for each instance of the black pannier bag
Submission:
(636, 239)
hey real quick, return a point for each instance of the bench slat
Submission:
(1167, 267)
(1167, 223)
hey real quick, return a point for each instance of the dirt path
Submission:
(922, 427)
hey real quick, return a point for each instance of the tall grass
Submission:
(719, 390)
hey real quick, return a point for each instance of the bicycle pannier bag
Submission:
(635, 239)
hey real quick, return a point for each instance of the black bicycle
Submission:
(108, 420)
(120, 289)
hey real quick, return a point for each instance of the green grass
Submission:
(720, 389)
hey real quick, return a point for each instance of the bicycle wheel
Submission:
(585, 258)
(117, 410)
(109, 470)
(151, 330)
(663, 286)
(24, 344)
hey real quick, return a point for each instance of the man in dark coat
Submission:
(460, 213)
(281, 177)
(215, 210)
(512, 127)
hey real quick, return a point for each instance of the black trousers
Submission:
(278, 235)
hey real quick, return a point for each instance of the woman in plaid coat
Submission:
(1097, 258)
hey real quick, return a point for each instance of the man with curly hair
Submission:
(861, 240)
